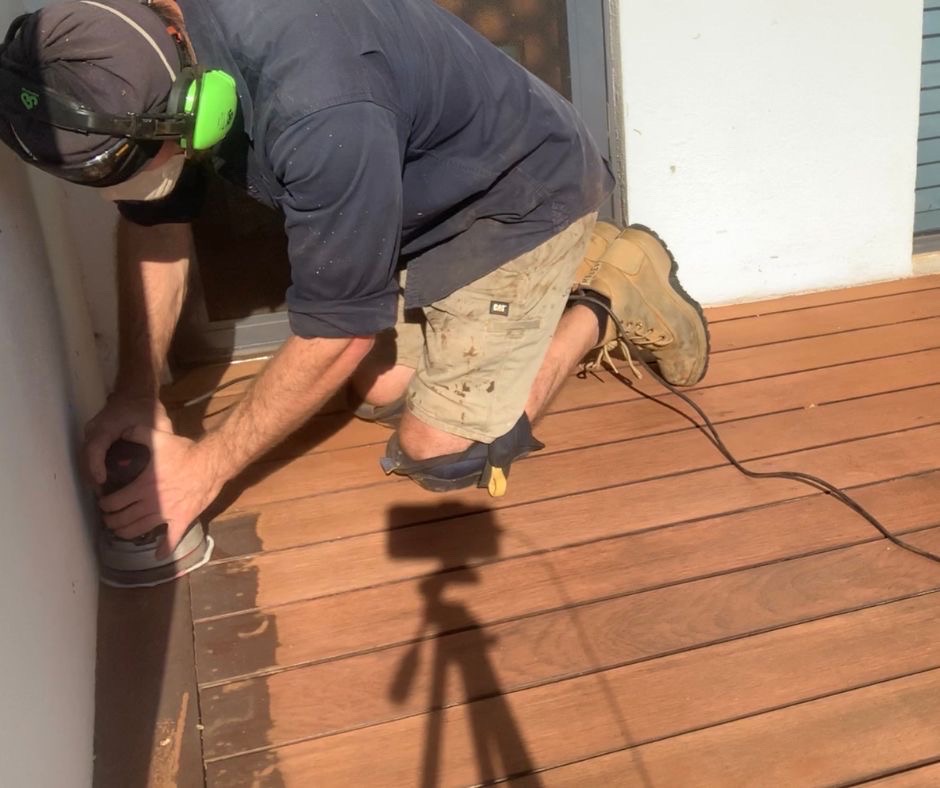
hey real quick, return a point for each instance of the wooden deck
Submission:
(633, 612)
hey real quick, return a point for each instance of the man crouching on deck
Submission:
(439, 201)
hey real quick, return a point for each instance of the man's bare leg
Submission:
(575, 335)
(574, 338)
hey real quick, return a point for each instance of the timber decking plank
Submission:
(608, 710)
(146, 697)
(428, 547)
(711, 492)
(339, 431)
(306, 570)
(830, 319)
(675, 454)
(835, 351)
(859, 294)
(842, 739)
(667, 696)
(337, 625)
(815, 352)
(922, 777)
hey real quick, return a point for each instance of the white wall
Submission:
(772, 143)
(80, 230)
(48, 580)
(50, 383)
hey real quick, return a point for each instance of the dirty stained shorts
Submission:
(476, 352)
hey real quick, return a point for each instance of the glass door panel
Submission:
(532, 32)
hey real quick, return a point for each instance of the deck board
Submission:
(354, 473)
(283, 576)
(633, 612)
(832, 318)
(831, 741)
(859, 294)
(917, 777)
(766, 329)
(700, 488)
(661, 698)
(681, 553)
(823, 741)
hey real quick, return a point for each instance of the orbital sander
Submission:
(133, 563)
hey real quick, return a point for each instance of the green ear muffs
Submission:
(207, 97)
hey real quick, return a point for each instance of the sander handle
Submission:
(124, 462)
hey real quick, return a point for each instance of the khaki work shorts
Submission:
(476, 352)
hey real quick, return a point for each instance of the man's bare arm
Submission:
(153, 264)
(296, 383)
(186, 476)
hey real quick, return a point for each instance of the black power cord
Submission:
(708, 429)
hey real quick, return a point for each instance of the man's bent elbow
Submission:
(360, 346)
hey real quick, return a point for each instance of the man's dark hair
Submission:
(172, 17)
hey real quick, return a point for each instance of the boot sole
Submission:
(673, 278)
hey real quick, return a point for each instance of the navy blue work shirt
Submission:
(388, 133)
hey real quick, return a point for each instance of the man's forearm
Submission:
(296, 383)
(153, 265)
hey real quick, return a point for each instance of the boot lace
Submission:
(635, 331)
(601, 358)
(644, 336)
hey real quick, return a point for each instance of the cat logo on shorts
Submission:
(499, 308)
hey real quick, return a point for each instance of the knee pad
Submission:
(481, 464)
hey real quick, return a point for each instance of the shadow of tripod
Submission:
(499, 746)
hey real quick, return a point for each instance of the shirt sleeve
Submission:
(340, 169)
(181, 205)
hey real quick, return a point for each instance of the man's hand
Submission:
(175, 489)
(122, 413)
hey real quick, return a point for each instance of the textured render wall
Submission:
(773, 142)
(48, 580)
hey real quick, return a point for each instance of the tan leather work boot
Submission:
(638, 274)
(604, 235)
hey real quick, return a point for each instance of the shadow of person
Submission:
(499, 747)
